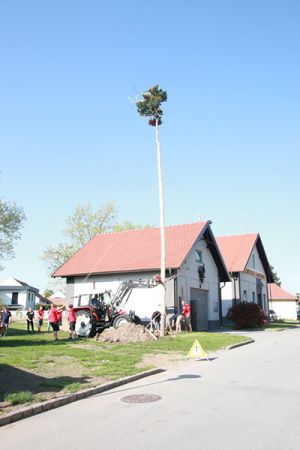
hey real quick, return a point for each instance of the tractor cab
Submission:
(100, 304)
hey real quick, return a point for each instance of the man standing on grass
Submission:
(40, 318)
(52, 317)
(72, 322)
(29, 318)
(5, 320)
(184, 315)
(59, 317)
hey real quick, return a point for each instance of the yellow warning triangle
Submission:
(197, 351)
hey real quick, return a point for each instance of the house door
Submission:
(14, 298)
(199, 309)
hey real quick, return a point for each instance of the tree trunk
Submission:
(162, 235)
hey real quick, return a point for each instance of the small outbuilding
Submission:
(194, 270)
(282, 302)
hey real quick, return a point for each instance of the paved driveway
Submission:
(247, 398)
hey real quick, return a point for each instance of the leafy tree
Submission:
(81, 226)
(275, 276)
(150, 106)
(47, 293)
(126, 226)
(12, 219)
(84, 223)
(54, 257)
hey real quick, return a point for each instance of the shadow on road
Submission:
(178, 378)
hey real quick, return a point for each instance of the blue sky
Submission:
(230, 140)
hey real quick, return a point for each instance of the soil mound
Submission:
(126, 333)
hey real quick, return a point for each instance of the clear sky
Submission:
(230, 138)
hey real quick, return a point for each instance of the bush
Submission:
(246, 315)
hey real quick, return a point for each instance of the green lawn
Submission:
(35, 363)
(282, 324)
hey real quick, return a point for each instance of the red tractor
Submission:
(95, 313)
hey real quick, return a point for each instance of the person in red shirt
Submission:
(40, 317)
(59, 317)
(72, 322)
(184, 315)
(52, 317)
(186, 312)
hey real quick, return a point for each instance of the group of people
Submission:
(179, 322)
(39, 315)
(54, 320)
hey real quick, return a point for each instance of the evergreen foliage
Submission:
(151, 105)
(275, 276)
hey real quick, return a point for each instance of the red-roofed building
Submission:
(248, 266)
(194, 266)
(282, 302)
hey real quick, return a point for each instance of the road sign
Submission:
(197, 351)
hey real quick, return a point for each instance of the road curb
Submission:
(39, 408)
(233, 346)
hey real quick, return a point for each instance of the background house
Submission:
(249, 269)
(58, 299)
(15, 292)
(194, 268)
(282, 302)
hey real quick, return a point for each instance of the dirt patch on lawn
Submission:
(55, 376)
(162, 360)
(126, 333)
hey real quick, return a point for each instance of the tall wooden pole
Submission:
(162, 234)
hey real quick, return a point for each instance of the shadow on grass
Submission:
(23, 338)
(15, 380)
(34, 343)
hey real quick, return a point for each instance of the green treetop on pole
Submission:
(150, 106)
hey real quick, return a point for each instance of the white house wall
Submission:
(227, 297)
(284, 309)
(248, 281)
(25, 298)
(255, 264)
(189, 278)
(144, 301)
(248, 289)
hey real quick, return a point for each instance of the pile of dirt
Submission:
(126, 333)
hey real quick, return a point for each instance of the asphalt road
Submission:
(247, 398)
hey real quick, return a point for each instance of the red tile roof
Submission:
(236, 250)
(277, 293)
(58, 301)
(134, 250)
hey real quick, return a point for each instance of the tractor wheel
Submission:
(85, 325)
(121, 320)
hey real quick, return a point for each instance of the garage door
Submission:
(199, 309)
